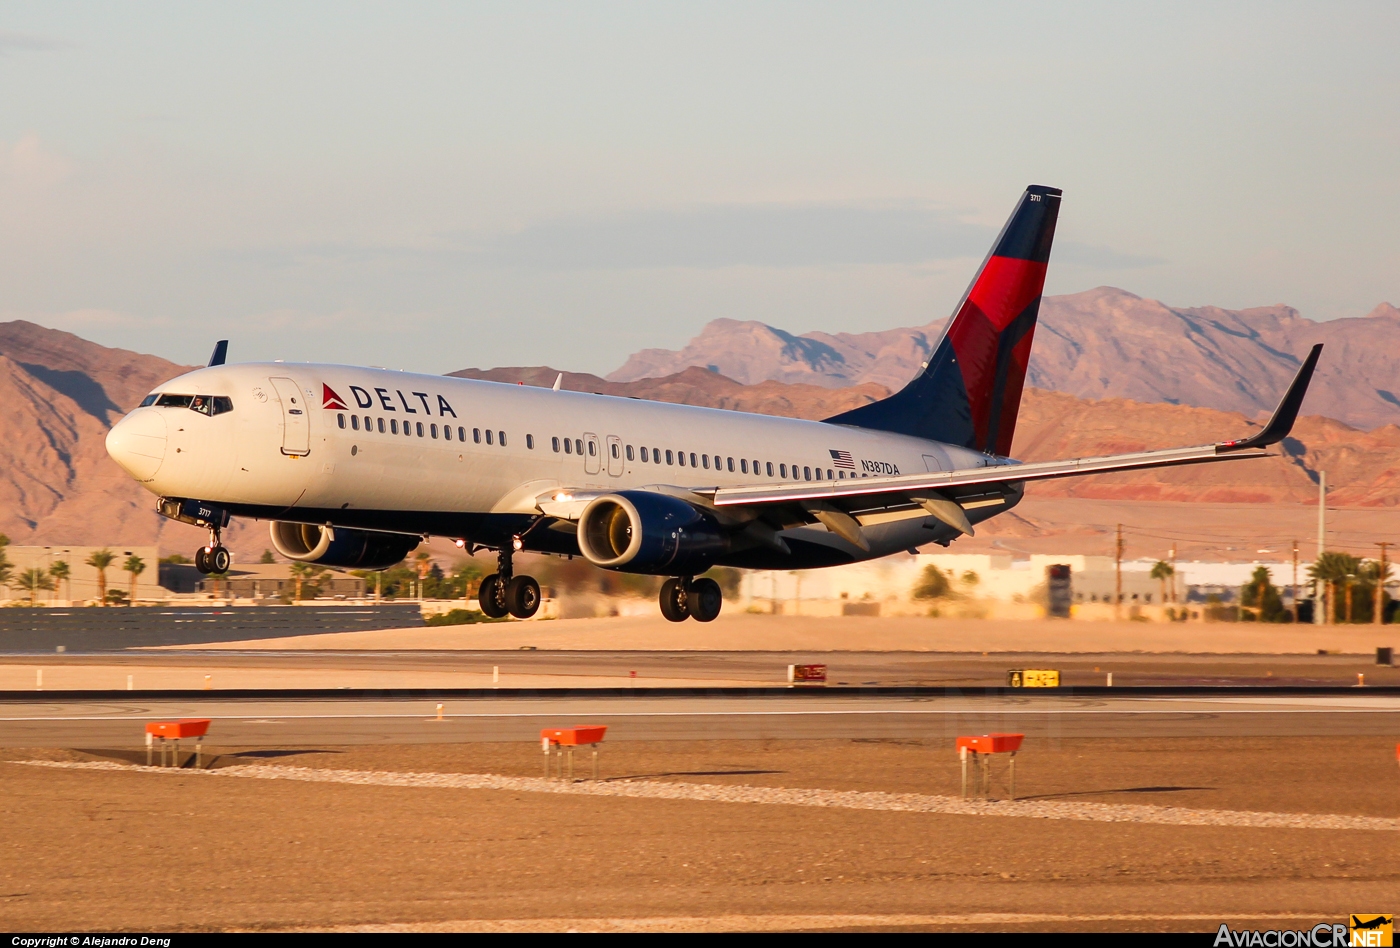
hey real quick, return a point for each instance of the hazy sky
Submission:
(435, 186)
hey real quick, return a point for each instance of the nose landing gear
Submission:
(685, 598)
(503, 593)
(213, 557)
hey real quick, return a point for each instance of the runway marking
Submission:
(126, 716)
(720, 793)
(777, 923)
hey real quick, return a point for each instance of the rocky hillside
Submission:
(1104, 343)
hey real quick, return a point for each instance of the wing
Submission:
(948, 494)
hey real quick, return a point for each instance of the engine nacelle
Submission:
(637, 531)
(339, 546)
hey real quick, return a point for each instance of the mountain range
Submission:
(1103, 343)
(60, 394)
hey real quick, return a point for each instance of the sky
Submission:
(438, 186)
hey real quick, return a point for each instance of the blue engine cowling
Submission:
(637, 531)
(338, 546)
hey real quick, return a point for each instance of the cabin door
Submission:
(592, 456)
(296, 423)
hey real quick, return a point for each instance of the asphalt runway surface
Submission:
(252, 723)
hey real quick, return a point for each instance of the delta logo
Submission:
(381, 400)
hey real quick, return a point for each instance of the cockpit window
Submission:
(204, 404)
(149, 400)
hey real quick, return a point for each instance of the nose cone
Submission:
(137, 443)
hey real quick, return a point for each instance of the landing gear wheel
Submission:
(705, 599)
(219, 560)
(522, 597)
(675, 604)
(201, 560)
(491, 597)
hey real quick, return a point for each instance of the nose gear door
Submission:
(296, 423)
(614, 456)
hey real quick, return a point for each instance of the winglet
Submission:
(220, 354)
(1285, 414)
(559, 381)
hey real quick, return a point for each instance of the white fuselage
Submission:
(339, 444)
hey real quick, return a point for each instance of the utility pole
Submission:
(1118, 575)
(1295, 582)
(1320, 607)
(1380, 586)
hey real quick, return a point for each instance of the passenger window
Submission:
(568, 446)
(646, 455)
(806, 473)
(655, 455)
(692, 460)
(393, 426)
(630, 455)
(461, 433)
(828, 474)
(615, 451)
(555, 442)
(369, 423)
(841, 474)
(433, 429)
(680, 458)
(731, 465)
(476, 435)
(669, 457)
(407, 430)
(488, 436)
(770, 468)
(719, 462)
(380, 423)
(578, 446)
(819, 473)
(419, 426)
(447, 432)
(743, 465)
(502, 436)
(783, 469)
(529, 441)
(355, 422)
(592, 448)
(340, 420)
(705, 458)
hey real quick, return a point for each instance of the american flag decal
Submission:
(842, 459)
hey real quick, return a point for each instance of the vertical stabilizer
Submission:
(970, 391)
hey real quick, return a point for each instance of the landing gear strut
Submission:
(685, 598)
(213, 557)
(504, 593)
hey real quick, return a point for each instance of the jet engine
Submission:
(339, 546)
(637, 531)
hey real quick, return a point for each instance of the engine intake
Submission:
(339, 546)
(643, 532)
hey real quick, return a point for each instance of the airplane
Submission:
(353, 467)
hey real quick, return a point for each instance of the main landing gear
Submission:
(686, 598)
(213, 557)
(505, 593)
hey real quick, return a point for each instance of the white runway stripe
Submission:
(720, 793)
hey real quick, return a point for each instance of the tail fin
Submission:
(970, 389)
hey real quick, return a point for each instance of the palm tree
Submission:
(1331, 570)
(301, 572)
(1162, 571)
(5, 568)
(135, 566)
(34, 580)
(100, 560)
(61, 573)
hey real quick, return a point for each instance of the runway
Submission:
(272, 723)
